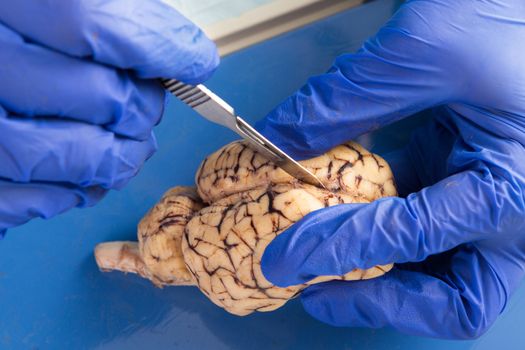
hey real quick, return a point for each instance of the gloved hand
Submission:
(77, 105)
(460, 228)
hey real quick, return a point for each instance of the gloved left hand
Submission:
(458, 232)
(77, 99)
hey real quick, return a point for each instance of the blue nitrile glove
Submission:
(463, 176)
(77, 103)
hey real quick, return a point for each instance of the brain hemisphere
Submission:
(347, 168)
(248, 201)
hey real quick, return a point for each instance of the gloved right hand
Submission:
(77, 99)
(457, 233)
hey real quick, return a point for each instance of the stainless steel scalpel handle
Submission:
(215, 109)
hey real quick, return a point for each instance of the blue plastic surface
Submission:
(52, 296)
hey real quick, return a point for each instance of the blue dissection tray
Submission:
(52, 296)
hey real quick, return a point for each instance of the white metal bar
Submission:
(270, 20)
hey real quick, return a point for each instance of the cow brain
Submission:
(213, 236)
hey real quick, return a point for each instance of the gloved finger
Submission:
(405, 68)
(149, 37)
(465, 207)
(37, 81)
(411, 164)
(459, 304)
(67, 151)
(20, 202)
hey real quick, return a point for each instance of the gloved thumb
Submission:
(405, 68)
